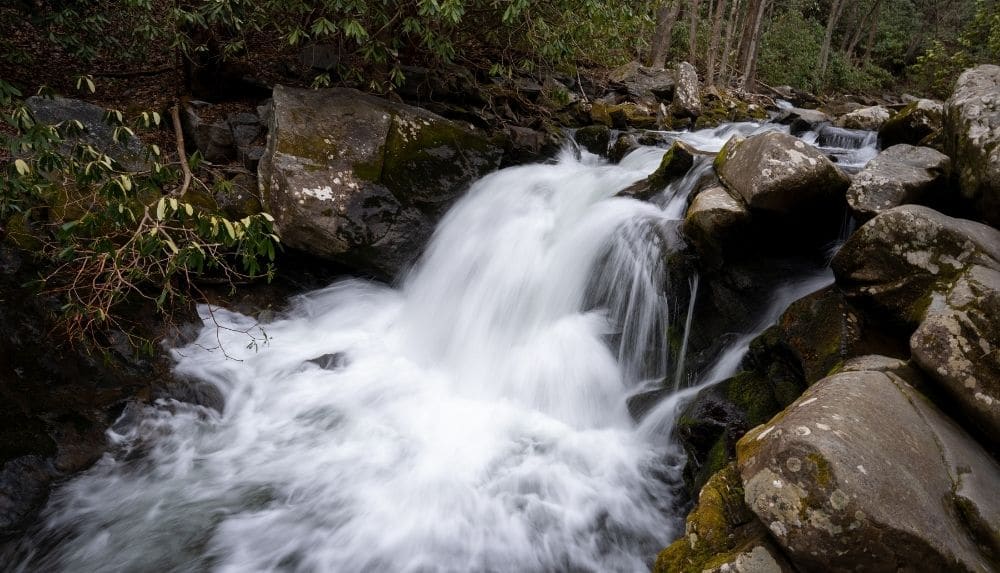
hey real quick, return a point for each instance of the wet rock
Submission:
(900, 175)
(594, 138)
(775, 172)
(632, 115)
(526, 145)
(358, 179)
(722, 535)
(972, 138)
(801, 120)
(863, 473)
(866, 118)
(625, 144)
(714, 221)
(676, 162)
(687, 99)
(912, 124)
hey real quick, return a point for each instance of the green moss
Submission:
(676, 162)
(753, 394)
(820, 469)
(20, 234)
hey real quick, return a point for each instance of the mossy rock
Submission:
(20, 234)
(594, 138)
(720, 531)
(676, 162)
(912, 124)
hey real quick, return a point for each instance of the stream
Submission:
(471, 418)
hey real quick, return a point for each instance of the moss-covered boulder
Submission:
(359, 179)
(912, 124)
(972, 138)
(900, 175)
(862, 473)
(594, 138)
(632, 115)
(676, 162)
(722, 535)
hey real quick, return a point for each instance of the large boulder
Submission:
(972, 138)
(912, 124)
(801, 120)
(866, 118)
(939, 276)
(778, 173)
(862, 473)
(361, 180)
(899, 175)
(96, 131)
(687, 98)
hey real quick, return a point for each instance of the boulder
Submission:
(526, 145)
(632, 115)
(358, 179)
(801, 120)
(903, 261)
(714, 221)
(912, 124)
(214, 139)
(96, 131)
(972, 138)
(862, 473)
(625, 144)
(722, 535)
(940, 277)
(775, 172)
(642, 83)
(867, 118)
(594, 138)
(687, 99)
(899, 175)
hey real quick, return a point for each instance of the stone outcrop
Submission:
(900, 175)
(972, 138)
(940, 276)
(864, 474)
(912, 124)
(361, 180)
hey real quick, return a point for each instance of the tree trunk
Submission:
(713, 46)
(860, 30)
(750, 67)
(732, 25)
(666, 15)
(693, 32)
(831, 24)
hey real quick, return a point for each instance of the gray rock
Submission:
(972, 138)
(899, 175)
(594, 138)
(801, 120)
(714, 219)
(213, 139)
(642, 83)
(625, 144)
(779, 173)
(687, 94)
(912, 124)
(355, 178)
(96, 131)
(862, 473)
(867, 118)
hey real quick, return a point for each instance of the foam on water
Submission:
(472, 419)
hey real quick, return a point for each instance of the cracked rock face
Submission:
(862, 473)
(900, 175)
(361, 180)
(972, 138)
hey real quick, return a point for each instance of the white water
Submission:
(473, 419)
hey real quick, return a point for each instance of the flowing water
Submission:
(472, 419)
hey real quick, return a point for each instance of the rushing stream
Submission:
(472, 419)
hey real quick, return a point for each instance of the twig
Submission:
(175, 115)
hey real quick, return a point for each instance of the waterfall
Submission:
(472, 419)
(682, 353)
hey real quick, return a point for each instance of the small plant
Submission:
(113, 231)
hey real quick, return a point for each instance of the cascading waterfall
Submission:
(682, 354)
(472, 420)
